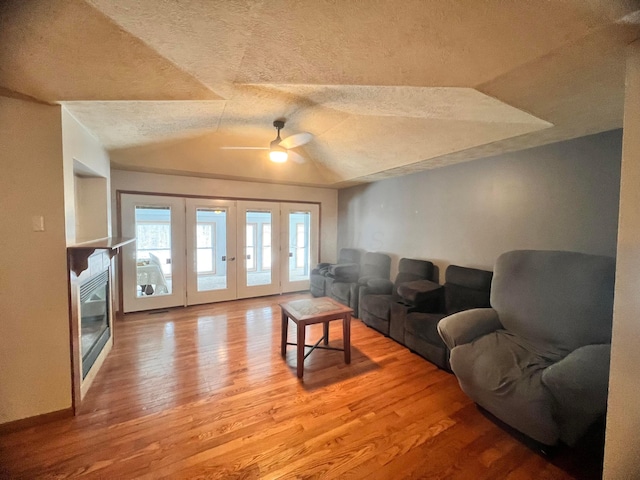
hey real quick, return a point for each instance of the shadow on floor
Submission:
(584, 461)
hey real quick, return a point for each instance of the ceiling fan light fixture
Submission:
(277, 153)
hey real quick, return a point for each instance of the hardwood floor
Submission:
(203, 392)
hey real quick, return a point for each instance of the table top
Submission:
(314, 308)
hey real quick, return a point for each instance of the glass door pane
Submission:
(153, 266)
(299, 248)
(259, 273)
(211, 248)
(258, 247)
(210, 251)
(153, 250)
(301, 233)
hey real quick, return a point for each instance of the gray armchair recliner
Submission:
(347, 267)
(539, 359)
(374, 265)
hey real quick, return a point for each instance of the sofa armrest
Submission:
(466, 326)
(321, 269)
(580, 380)
(344, 272)
(418, 292)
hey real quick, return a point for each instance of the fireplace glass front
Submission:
(94, 319)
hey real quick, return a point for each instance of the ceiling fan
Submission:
(280, 148)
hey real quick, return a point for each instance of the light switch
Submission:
(37, 223)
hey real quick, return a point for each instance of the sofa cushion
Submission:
(377, 305)
(379, 286)
(410, 269)
(469, 277)
(557, 301)
(424, 326)
(504, 377)
(349, 255)
(466, 288)
(346, 272)
(459, 298)
(375, 265)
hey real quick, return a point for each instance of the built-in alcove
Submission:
(91, 203)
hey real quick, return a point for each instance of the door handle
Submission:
(231, 259)
(248, 257)
(290, 254)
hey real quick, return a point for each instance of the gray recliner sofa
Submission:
(538, 360)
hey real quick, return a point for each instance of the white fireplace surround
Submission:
(87, 261)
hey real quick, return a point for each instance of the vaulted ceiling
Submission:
(385, 87)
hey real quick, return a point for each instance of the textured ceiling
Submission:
(386, 87)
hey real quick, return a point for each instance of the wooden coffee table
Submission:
(315, 310)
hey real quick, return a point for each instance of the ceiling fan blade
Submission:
(244, 148)
(296, 140)
(296, 157)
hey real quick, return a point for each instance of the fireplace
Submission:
(94, 319)
(91, 309)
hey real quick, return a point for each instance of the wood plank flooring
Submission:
(202, 392)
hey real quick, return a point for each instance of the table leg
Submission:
(325, 332)
(301, 340)
(284, 327)
(346, 336)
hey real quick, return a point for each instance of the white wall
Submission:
(623, 417)
(35, 362)
(92, 208)
(562, 196)
(180, 185)
(83, 153)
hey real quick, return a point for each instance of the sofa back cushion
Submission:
(375, 265)
(410, 270)
(555, 301)
(349, 255)
(466, 288)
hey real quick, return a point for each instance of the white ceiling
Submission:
(386, 87)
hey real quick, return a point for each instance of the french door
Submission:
(153, 268)
(211, 250)
(300, 227)
(259, 270)
(197, 250)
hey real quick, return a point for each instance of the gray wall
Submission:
(562, 196)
